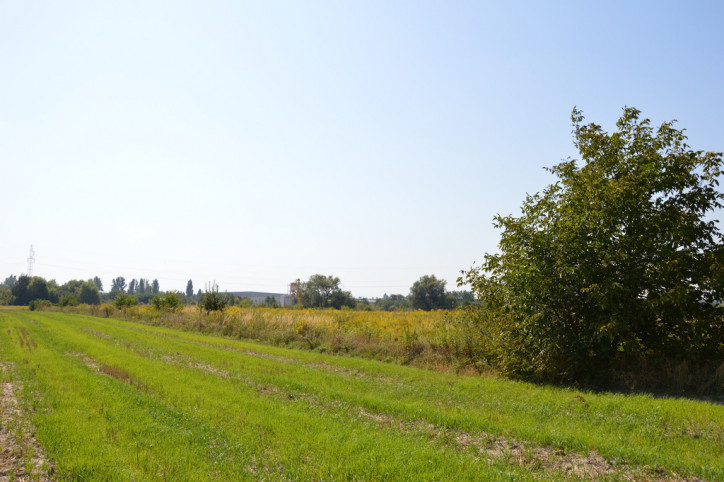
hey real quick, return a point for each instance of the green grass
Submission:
(118, 400)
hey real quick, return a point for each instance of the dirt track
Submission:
(20, 455)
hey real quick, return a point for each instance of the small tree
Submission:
(614, 261)
(190, 289)
(323, 292)
(89, 293)
(170, 301)
(38, 289)
(118, 285)
(428, 293)
(6, 296)
(99, 284)
(211, 300)
(124, 300)
(20, 290)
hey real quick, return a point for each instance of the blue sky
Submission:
(253, 143)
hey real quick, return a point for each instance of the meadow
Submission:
(103, 398)
(441, 340)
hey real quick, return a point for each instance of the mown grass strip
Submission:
(281, 437)
(205, 377)
(682, 435)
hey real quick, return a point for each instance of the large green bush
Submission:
(616, 262)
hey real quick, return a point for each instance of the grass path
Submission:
(119, 400)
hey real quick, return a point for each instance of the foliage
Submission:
(460, 299)
(211, 300)
(20, 290)
(89, 293)
(27, 289)
(38, 304)
(118, 285)
(190, 289)
(38, 289)
(615, 262)
(68, 300)
(170, 301)
(10, 281)
(392, 302)
(6, 295)
(124, 300)
(270, 302)
(428, 293)
(324, 292)
(99, 284)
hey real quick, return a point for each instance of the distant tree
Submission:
(172, 300)
(155, 288)
(68, 300)
(392, 302)
(6, 295)
(20, 290)
(190, 289)
(142, 286)
(89, 293)
(124, 300)
(71, 287)
(10, 281)
(38, 289)
(428, 293)
(98, 283)
(118, 285)
(270, 302)
(460, 299)
(212, 300)
(132, 286)
(323, 291)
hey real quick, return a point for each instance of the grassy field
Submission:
(107, 399)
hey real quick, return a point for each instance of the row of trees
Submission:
(320, 291)
(427, 293)
(24, 289)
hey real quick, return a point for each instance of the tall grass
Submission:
(440, 340)
(459, 341)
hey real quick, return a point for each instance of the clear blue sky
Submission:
(253, 143)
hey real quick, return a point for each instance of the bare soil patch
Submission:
(21, 458)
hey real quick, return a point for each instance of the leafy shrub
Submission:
(68, 300)
(124, 300)
(212, 300)
(615, 263)
(39, 305)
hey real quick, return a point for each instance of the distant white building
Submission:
(260, 297)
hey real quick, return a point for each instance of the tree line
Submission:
(320, 291)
